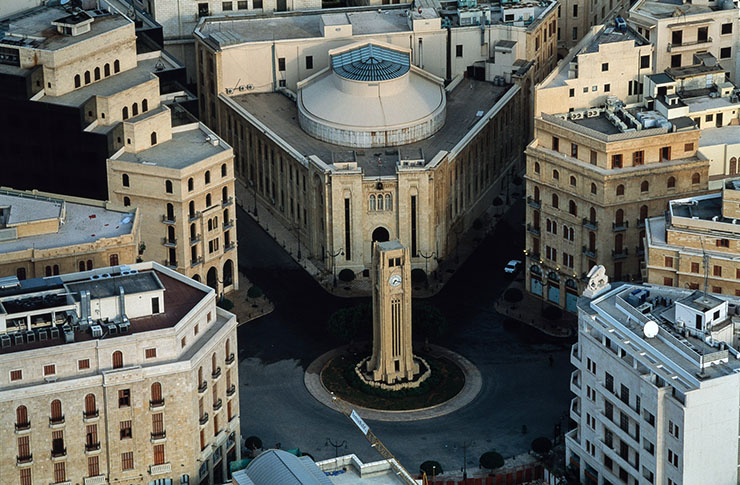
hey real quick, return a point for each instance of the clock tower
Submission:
(393, 359)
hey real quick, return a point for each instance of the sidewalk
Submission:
(247, 309)
(529, 311)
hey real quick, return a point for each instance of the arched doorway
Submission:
(196, 277)
(212, 278)
(228, 273)
(380, 234)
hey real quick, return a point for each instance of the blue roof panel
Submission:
(371, 63)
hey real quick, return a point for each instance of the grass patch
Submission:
(443, 384)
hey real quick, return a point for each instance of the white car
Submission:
(512, 266)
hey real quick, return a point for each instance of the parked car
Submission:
(512, 267)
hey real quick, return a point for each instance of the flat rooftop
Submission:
(725, 135)
(33, 29)
(83, 223)
(703, 207)
(190, 144)
(661, 9)
(466, 105)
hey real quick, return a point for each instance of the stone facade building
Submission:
(124, 374)
(656, 387)
(45, 234)
(696, 243)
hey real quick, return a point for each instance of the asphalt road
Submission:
(520, 388)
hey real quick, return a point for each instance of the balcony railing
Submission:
(156, 404)
(231, 390)
(96, 480)
(203, 419)
(589, 224)
(202, 387)
(92, 446)
(169, 219)
(217, 405)
(170, 264)
(229, 224)
(537, 204)
(640, 222)
(532, 229)
(640, 251)
(195, 240)
(58, 421)
(229, 246)
(620, 226)
(620, 254)
(158, 436)
(589, 251)
(24, 460)
(160, 469)
(230, 358)
(60, 453)
(216, 373)
(90, 415)
(170, 243)
(195, 262)
(227, 202)
(194, 217)
(19, 427)
(691, 43)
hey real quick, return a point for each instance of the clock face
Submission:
(395, 280)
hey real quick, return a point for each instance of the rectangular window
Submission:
(571, 92)
(725, 53)
(127, 460)
(556, 143)
(458, 50)
(93, 466)
(150, 353)
(673, 458)
(155, 305)
(242, 4)
(665, 154)
(617, 161)
(667, 281)
(26, 476)
(688, 147)
(124, 398)
(126, 429)
(50, 369)
(183, 342)
(717, 289)
(202, 439)
(574, 150)
(727, 28)
(604, 66)
(281, 64)
(575, 33)
(575, 10)
(593, 157)
(60, 472)
(723, 243)
(83, 364)
(607, 88)
(16, 375)
(158, 423)
(668, 262)
(676, 60)
(226, 6)
(638, 157)
(158, 454)
(695, 267)
(717, 270)
(24, 447)
(309, 62)
(257, 4)
(644, 62)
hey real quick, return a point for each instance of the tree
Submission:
(431, 467)
(427, 321)
(491, 460)
(347, 324)
(541, 445)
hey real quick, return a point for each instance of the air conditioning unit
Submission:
(18, 339)
(592, 113)
(229, 90)
(112, 329)
(97, 331)
(4, 341)
(43, 335)
(50, 378)
(54, 333)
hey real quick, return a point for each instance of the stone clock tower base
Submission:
(392, 361)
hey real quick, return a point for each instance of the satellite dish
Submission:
(650, 329)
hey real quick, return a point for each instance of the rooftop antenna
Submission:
(705, 263)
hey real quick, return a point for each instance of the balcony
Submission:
(96, 480)
(230, 358)
(537, 204)
(227, 202)
(231, 390)
(195, 262)
(168, 219)
(589, 224)
(195, 240)
(640, 251)
(229, 246)
(26, 460)
(575, 382)
(58, 454)
(90, 416)
(641, 223)
(203, 419)
(159, 437)
(202, 387)
(229, 224)
(621, 254)
(590, 252)
(56, 422)
(217, 405)
(533, 230)
(689, 45)
(22, 428)
(157, 404)
(216, 373)
(575, 357)
(575, 409)
(194, 217)
(160, 469)
(620, 226)
(170, 264)
(170, 243)
(92, 447)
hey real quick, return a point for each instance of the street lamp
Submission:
(465, 446)
(426, 263)
(333, 255)
(336, 446)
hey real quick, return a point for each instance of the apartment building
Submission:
(656, 387)
(124, 374)
(142, 150)
(45, 234)
(680, 31)
(577, 17)
(695, 245)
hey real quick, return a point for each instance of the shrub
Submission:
(552, 312)
(254, 291)
(513, 295)
(347, 324)
(253, 443)
(431, 467)
(424, 388)
(491, 460)
(226, 304)
(346, 275)
(541, 445)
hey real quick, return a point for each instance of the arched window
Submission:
(117, 359)
(644, 186)
(106, 70)
(620, 189)
(536, 167)
(200, 376)
(113, 259)
(170, 212)
(388, 202)
(126, 201)
(191, 209)
(572, 208)
(208, 176)
(78, 81)
(144, 105)
(555, 228)
(125, 180)
(536, 194)
(56, 269)
(116, 66)
(192, 232)
(208, 200)
(555, 200)
(618, 243)
(556, 175)
(89, 264)
(572, 180)
(571, 234)
(733, 166)
(21, 417)
(210, 224)
(372, 203)
(593, 189)
(168, 186)
(619, 217)
(90, 408)
(47, 271)
(592, 241)
(87, 77)
(548, 225)
(134, 109)
(153, 137)
(213, 363)
(223, 170)
(190, 184)
(156, 393)
(215, 222)
(592, 215)
(124, 113)
(643, 212)
(225, 194)
(671, 182)
(82, 266)
(97, 74)
(56, 410)
(565, 231)
(695, 179)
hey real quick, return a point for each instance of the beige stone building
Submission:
(696, 243)
(124, 374)
(45, 234)
(577, 17)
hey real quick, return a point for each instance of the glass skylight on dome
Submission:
(371, 63)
